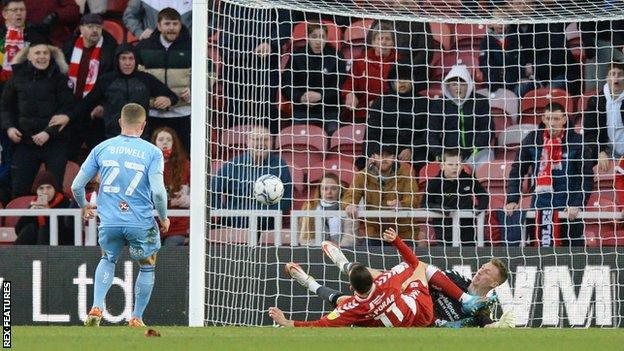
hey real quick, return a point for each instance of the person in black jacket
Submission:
(399, 119)
(603, 42)
(451, 190)
(37, 92)
(603, 120)
(117, 88)
(36, 230)
(499, 59)
(90, 54)
(461, 120)
(312, 79)
(166, 55)
(561, 170)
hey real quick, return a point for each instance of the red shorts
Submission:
(424, 304)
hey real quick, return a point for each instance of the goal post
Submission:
(333, 117)
(199, 106)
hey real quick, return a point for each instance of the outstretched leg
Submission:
(470, 303)
(333, 252)
(304, 279)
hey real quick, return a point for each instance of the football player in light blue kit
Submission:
(131, 172)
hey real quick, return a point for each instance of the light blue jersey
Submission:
(126, 164)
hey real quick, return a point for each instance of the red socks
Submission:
(444, 284)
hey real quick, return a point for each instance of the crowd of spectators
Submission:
(64, 80)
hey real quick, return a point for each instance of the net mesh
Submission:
(475, 129)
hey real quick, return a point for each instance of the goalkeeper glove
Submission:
(507, 320)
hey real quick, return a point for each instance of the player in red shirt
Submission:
(382, 301)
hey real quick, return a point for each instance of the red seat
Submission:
(130, 38)
(229, 236)
(233, 141)
(494, 176)
(442, 34)
(300, 35)
(513, 135)
(469, 59)
(303, 145)
(18, 203)
(534, 102)
(268, 237)
(348, 140)
(429, 171)
(583, 101)
(468, 36)
(297, 176)
(344, 169)
(115, 29)
(116, 6)
(355, 38)
(71, 170)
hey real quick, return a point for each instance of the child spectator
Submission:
(461, 120)
(311, 81)
(177, 175)
(384, 185)
(326, 197)
(369, 73)
(562, 173)
(451, 190)
(36, 230)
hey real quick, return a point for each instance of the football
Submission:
(268, 189)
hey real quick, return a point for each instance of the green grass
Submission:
(230, 338)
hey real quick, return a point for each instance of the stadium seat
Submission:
(443, 35)
(268, 237)
(302, 145)
(493, 176)
(116, 7)
(21, 202)
(469, 59)
(7, 235)
(115, 29)
(297, 176)
(130, 38)
(228, 235)
(300, 35)
(506, 102)
(429, 171)
(71, 170)
(433, 92)
(348, 140)
(468, 36)
(534, 102)
(233, 141)
(335, 164)
(605, 179)
(574, 42)
(355, 38)
(513, 135)
(583, 100)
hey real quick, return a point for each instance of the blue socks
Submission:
(143, 290)
(104, 274)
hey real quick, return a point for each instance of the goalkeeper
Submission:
(449, 290)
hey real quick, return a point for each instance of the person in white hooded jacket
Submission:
(461, 120)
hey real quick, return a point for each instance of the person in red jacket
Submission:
(369, 73)
(177, 179)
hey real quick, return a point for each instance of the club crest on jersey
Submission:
(123, 206)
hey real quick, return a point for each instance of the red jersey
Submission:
(386, 305)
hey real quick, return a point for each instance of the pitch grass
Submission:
(233, 338)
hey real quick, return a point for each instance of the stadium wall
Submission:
(548, 287)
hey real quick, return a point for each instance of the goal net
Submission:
(476, 129)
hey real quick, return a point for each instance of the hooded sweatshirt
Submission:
(114, 90)
(463, 123)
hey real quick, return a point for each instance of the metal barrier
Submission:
(54, 213)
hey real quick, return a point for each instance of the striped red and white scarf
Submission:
(94, 65)
(551, 158)
(13, 43)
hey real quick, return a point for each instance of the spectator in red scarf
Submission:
(14, 34)
(36, 230)
(560, 166)
(89, 53)
(369, 73)
(177, 180)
